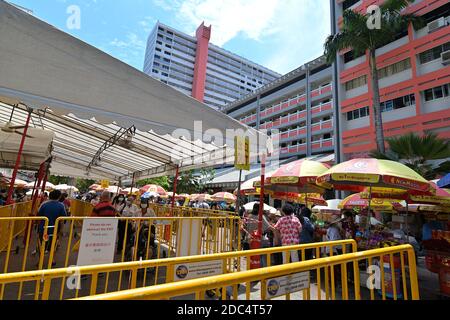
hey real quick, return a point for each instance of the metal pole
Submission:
(261, 198)
(37, 186)
(238, 199)
(19, 155)
(132, 184)
(177, 171)
(368, 213)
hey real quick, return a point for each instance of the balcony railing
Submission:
(283, 105)
(285, 120)
(321, 90)
(290, 134)
(294, 149)
(324, 143)
(322, 107)
(328, 124)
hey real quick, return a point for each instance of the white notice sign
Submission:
(98, 241)
(288, 284)
(197, 270)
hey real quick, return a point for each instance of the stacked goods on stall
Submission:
(438, 258)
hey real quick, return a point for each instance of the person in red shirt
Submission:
(104, 208)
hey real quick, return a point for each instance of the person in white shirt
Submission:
(334, 233)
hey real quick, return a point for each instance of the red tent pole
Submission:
(175, 187)
(37, 186)
(19, 155)
(261, 198)
(44, 183)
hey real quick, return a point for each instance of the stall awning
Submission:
(89, 98)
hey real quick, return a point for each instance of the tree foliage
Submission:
(428, 155)
(362, 35)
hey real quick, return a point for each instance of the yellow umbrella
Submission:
(298, 176)
(357, 174)
(356, 201)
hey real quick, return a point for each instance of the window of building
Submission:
(155, 71)
(166, 60)
(159, 42)
(437, 92)
(327, 136)
(402, 102)
(157, 56)
(358, 113)
(356, 83)
(348, 3)
(394, 68)
(165, 74)
(434, 53)
(158, 49)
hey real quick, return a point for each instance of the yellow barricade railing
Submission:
(80, 208)
(166, 210)
(285, 280)
(21, 209)
(73, 282)
(27, 251)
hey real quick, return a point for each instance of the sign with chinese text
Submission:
(105, 184)
(242, 153)
(98, 241)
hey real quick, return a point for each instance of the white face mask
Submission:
(144, 206)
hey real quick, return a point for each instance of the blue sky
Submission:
(279, 34)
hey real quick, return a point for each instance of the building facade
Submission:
(299, 105)
(198, 68)
(414, 73)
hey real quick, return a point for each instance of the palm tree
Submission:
(357, 35)
(427, 155)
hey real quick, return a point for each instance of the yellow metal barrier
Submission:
(167, 237)
(284, 280)
(80, 208)
(89, 280)
(25, 253)
(166, 210)
(21, 209)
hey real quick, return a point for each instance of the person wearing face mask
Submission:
(146, 210)
(119, 204)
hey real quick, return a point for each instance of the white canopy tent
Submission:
(109, 119)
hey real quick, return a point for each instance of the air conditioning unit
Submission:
(445, 57)
(436, 24)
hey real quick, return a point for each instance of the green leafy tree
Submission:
(427, 155)
(160, 181)
(362, 37)
(58, 180)
(83, 184)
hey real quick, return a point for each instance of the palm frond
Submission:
(395, 6)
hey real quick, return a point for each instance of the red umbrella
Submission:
(153, 188)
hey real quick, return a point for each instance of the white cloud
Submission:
(253, 18)
(133, 46)
(147, 23)
(302, 29)
(299, 27)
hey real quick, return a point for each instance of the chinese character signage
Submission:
(98, 241)
(242, 153)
